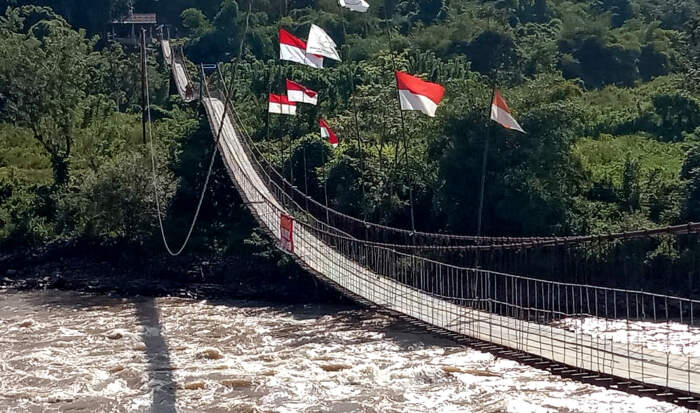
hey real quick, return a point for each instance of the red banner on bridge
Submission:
(287, 233)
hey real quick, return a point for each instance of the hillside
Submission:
(608, 93)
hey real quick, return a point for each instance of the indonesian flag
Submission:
(294, 50)
(320, 43)
(327, 133)
(299, 93)
(417, 94)
(501, 114)
(354, 5)
(281, 104)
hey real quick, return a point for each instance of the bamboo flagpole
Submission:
(483, 165)
(403, 124)
(325, 180)
(360, 147)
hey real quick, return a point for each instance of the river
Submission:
(73, 352)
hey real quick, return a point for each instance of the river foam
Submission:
(102, 354)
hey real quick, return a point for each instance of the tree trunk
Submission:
(61, 167)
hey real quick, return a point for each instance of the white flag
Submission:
(354, 5)
(319, 43)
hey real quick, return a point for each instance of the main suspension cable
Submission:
(155, 182)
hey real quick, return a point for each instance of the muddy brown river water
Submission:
(71, 352)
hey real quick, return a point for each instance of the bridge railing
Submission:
(540, 317)
(598, 259)
(498, 292)
(187, 89)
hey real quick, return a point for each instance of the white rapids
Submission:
(63, 351)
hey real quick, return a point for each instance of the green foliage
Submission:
(607, 92)
(25, 211)
(48, 101)
(634, 174)
(114, 202)
(195, 23)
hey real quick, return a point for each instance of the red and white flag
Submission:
(417, 94)
(294, 50)
(501, 114)
(286, 232)
(281, 104)
(327, 133)
(299, 93)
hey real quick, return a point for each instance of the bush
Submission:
(115, 202)
(24, 212)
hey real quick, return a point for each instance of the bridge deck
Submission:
(583, 351)
(167, 52)
(181, 81)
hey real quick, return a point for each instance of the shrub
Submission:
(115, 202)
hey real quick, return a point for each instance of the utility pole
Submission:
(144, 113)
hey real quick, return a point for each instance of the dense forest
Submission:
(607, 90)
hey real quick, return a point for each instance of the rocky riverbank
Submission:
(129, 270)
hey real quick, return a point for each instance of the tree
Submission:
(43, 79)
(676, 114)
(195, 22)
(490, 51)
(531, 178)
(629, 191)
(91, 15)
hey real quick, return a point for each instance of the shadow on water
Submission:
(160, 369)
(162, 382)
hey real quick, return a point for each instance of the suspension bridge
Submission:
(530, 299)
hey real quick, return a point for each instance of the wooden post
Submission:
(144, 112)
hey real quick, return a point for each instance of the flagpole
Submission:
(291, 168)
(240, 48)
(291, 160)
(403, 123)
(345, 33)
(359, 143)
(483, 165)
(269, 91)
(297, 131)
(306, 181)
(325, 181)
(405, 151)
